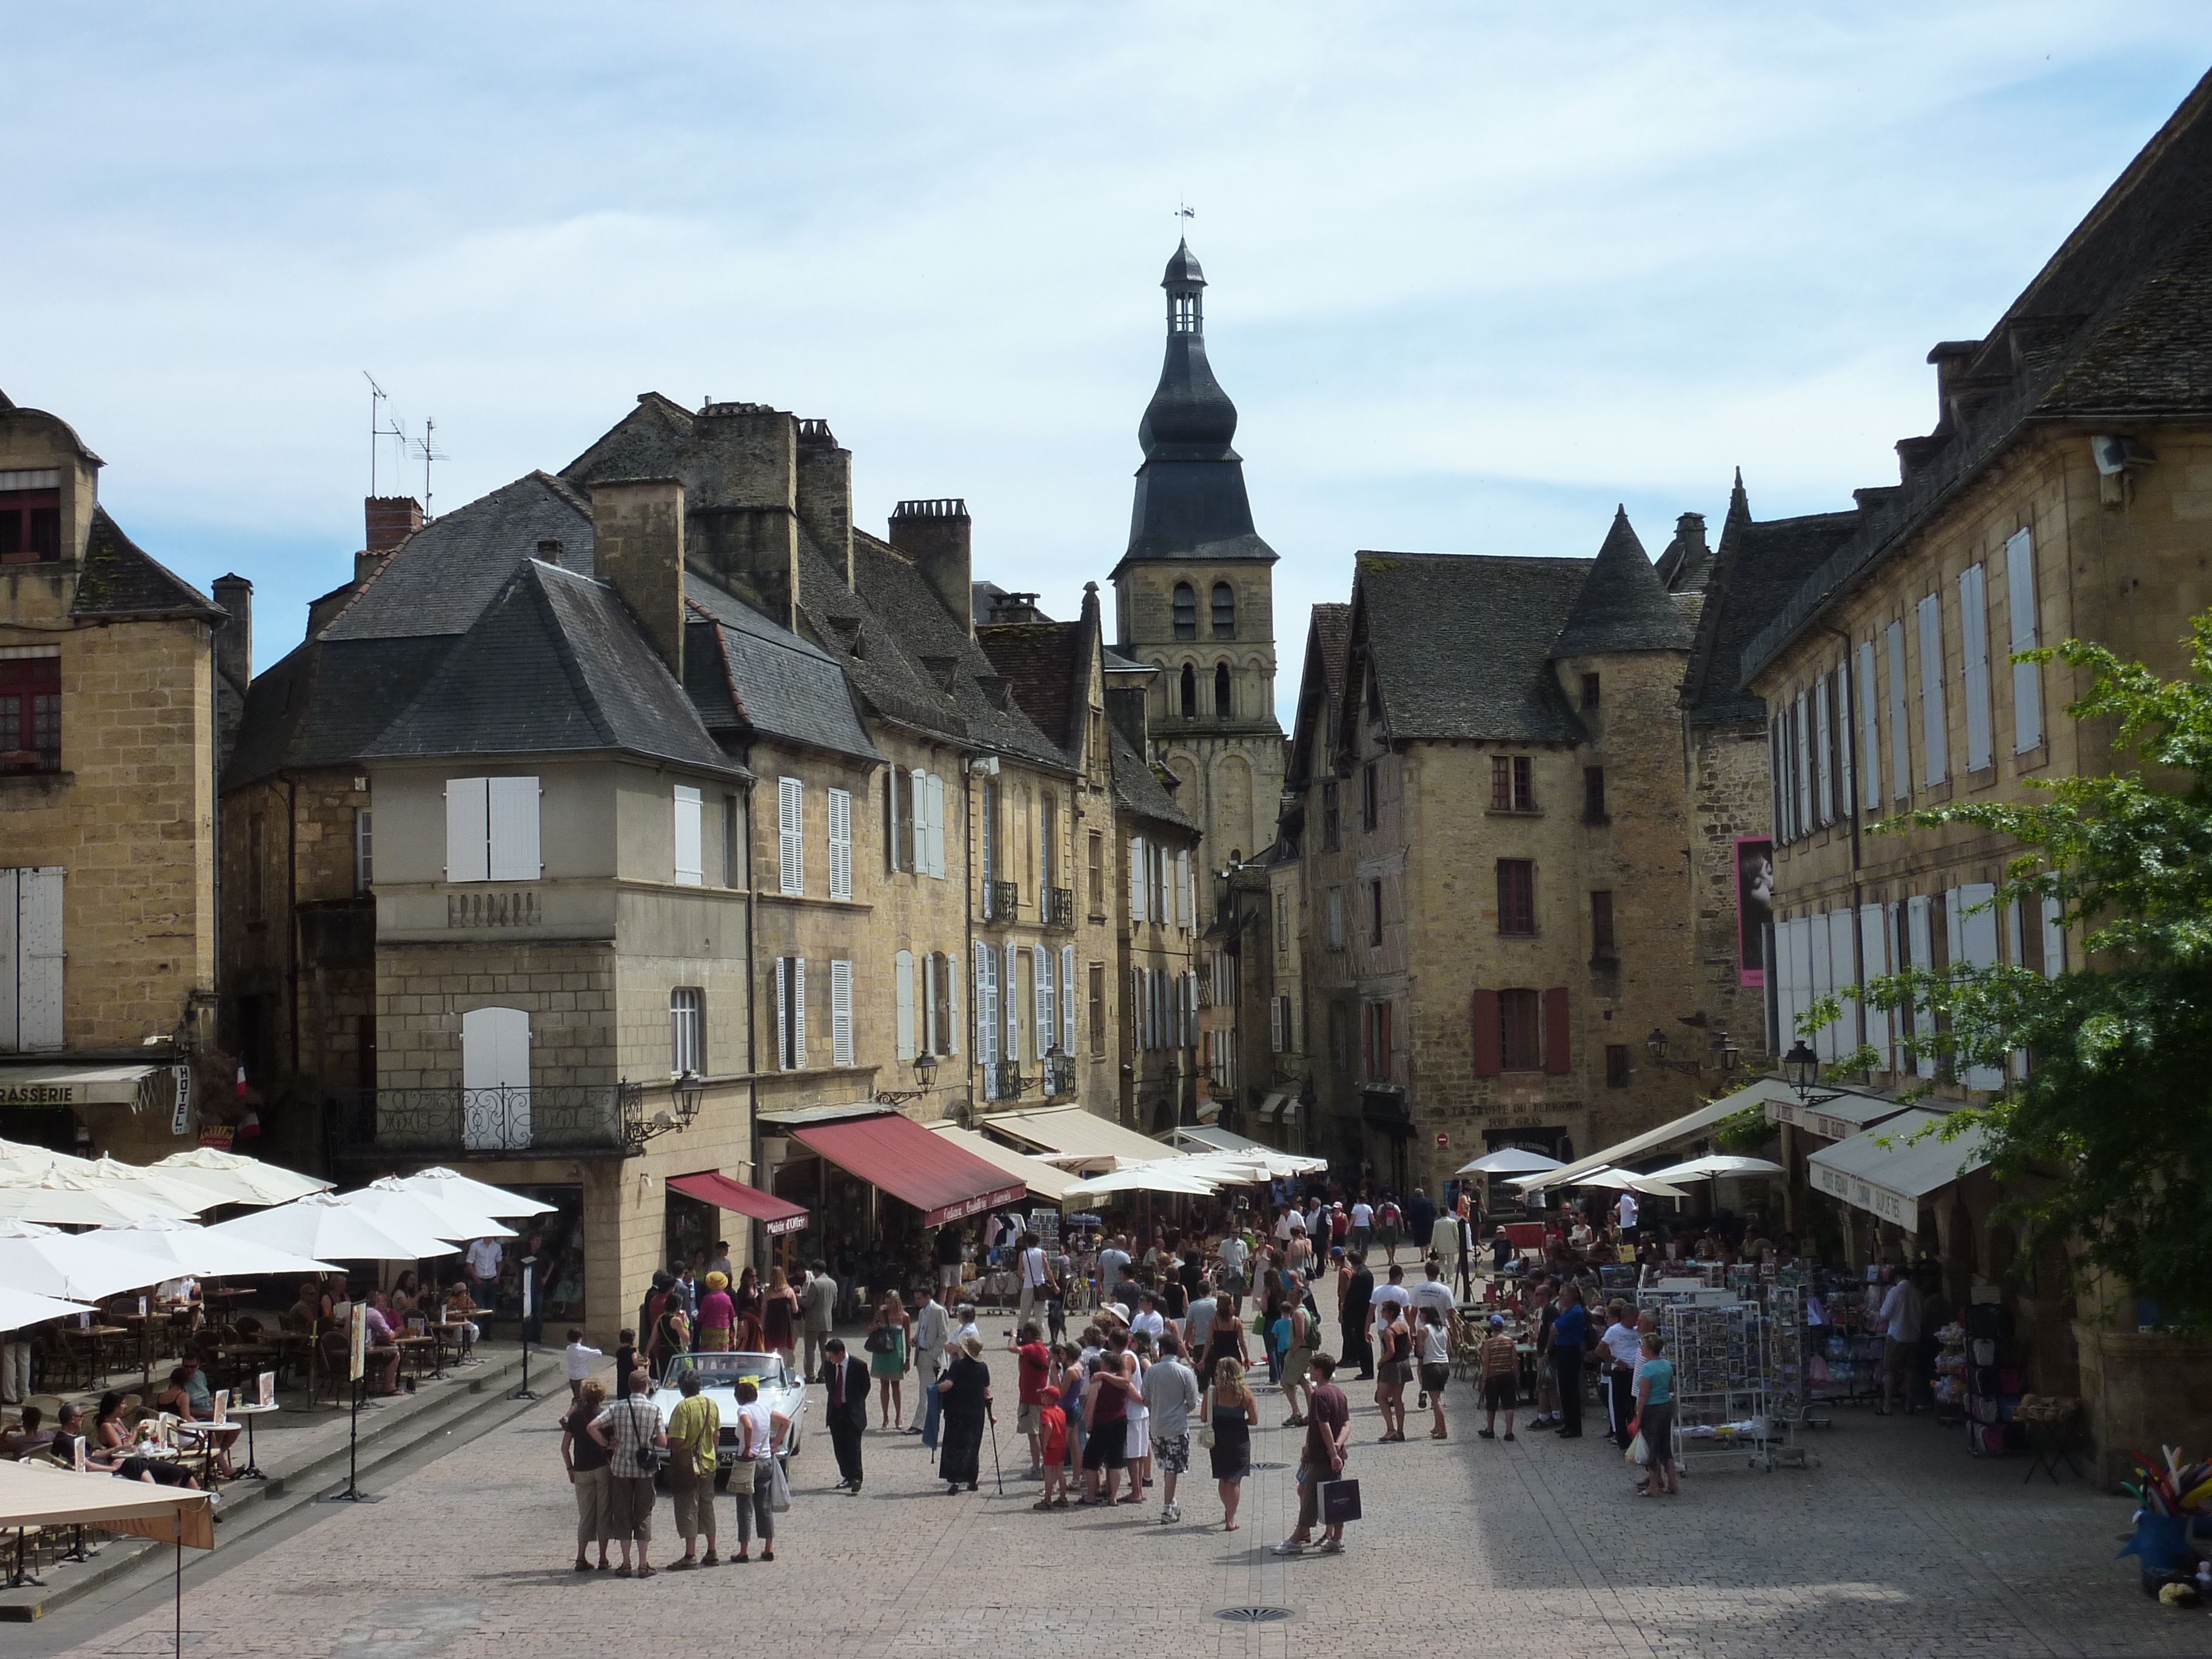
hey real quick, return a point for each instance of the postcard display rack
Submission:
(1738, 1354)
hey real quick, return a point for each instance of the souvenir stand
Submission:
(1847, 1348)
(1737, 1337)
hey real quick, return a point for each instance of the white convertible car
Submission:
(780, 1390)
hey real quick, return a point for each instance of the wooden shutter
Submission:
(1933, 715)
(1011, 1001)
(1048, 1002)
(1274, 1026)
(936, 837)
(1067, 999)
(690, 860)
(512, 805)
(10, 959)
(798, 1012)
(1184, 896)
(1136, 878)
(912, 830)
(783, 1013)
(1874, 961)
(2026, 677)
(1869, 755)
(892, 821)
(840, 844)
(1974, 640)
(468, 830)
(1559, 1038)
(1919, 932)
(791, 836)
(1900, 740)
(1824, 781)
(840, 1013)
(987, 1013)
(903, 974)
(952, 1003)
(39, 957)
(1487, 1062)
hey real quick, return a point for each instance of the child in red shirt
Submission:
(1052, 1424)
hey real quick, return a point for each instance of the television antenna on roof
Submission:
(379, 414)
(427, 447)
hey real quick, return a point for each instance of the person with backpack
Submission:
(1389, 1220)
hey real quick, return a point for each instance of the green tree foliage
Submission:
(2110, 1135)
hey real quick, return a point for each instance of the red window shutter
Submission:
(1485, 1034)
(1559, 1041)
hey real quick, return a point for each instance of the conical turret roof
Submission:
(1622, 605)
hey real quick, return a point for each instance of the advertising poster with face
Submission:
(1755, 906)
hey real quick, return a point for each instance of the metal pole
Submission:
(997, 1474)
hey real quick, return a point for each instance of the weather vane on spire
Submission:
(1184, 210)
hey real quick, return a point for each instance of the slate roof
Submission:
(1623, 605)
(747, 675)
(1753, 574)
(1138, 788)
(1039, 662)
(1462, 643)
(120, 579)
(556, 665)
(327, 702)
(1320, 684)
(439, 579)
(2116, 328)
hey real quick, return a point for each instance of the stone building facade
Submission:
(113, 674)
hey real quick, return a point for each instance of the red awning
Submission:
(781, 1214)
(943, 1181)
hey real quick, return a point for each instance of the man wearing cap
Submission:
(1498, 1379)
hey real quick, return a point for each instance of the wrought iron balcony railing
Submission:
(1003, 1079)
(1002, 900)
(1059, 1075)
(1060, 912)
(576, 1118)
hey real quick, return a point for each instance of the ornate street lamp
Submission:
(1801, 1067)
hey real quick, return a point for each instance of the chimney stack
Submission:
(637, 542)
(391, 520)
(234, 641)
(824, 495)
(936, 536)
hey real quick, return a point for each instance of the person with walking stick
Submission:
(967, 1392)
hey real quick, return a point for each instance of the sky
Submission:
(1477, 272)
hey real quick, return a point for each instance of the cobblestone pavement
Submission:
(1898, 1544)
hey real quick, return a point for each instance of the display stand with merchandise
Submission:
(1722, 1404)
(1993, 1383)
(1951, 1379)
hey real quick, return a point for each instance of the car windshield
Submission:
(721, 1370)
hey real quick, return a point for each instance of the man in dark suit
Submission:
(847, 1381)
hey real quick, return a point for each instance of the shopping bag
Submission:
(1339, 1502)
(1636, 1449)
(779, 1489)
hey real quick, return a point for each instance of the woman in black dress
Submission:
(1231, 1410)
(967, 1391)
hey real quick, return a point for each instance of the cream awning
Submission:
(72, 1085)
(1886, 1172)
(1757, 1093)
(1047, 1180)
(1834, 1115)
(1070, 1135)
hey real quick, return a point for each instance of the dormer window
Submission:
(1185, 613)
(30, 516)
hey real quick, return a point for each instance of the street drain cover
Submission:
(1252, 1615)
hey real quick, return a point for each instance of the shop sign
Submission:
(37, 1094)
(1860, 1193)
(218, 1135)
(181, 1123)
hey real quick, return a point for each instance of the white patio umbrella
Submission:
(179, 1195)
(61, 1199)
(237, 1179)
(1509, 1160)
(331, 1229)
(80, 1267)
(420, 1211)
(1617, 1179)
(1715, 1164)
(38, 1159)
(1143, 1178)
(1222, 1169)
(20, 1309)
(206, 1253)
(465, 1193)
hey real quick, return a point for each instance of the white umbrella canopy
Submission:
(38, 1159)
(239, 1180)
(179, 1195)
(20, 1309)
(1716, 1163)
(1509, 1160)
(59, 1198)
(420, 1211)
(1617, 1179)
(78, 1267)
(1222, 1169)
(332, 1229)
(1144, 1178)
(474, 1196)
(205, 1253)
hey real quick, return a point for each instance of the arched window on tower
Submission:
(1224, 612)
(1185, 613)
(1223, 706)
(1189, 692)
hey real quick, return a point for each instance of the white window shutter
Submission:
(1920, 935)
(1047, 1005)
(840, 1013)
(952, 1003)
(791, 835)
(10, 959)
(903, 974)
(1136, 878)
(1933, 721)
(840, 844)
(1011, 1001)
(39, 957)
(1824, 1040)
(783, 1014)
(935, 834)
(1874, 963)
(1900, 741)
(2026, 677)
(1974, 635)
(986, 1010)
(2054, 939)
(933, 966)
(891, 844)
(1802, 716)
(799, 1010)
(1274, 1026)
(1067, 998)
(468, 830)
(690, 864)
(1823, 747)
(1869, 730)
(1184, 904)
(513, 808)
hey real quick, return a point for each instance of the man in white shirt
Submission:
(1286, 1218)
(1626, 1212)
(1034, 1275)
(1362, 1225)
(1392, 1292)
(1171, 1393)
(1433, 1293)
(1148, 1318)
(1900, 1347)
(1623, 1345)
(1233, 1255)
(932, 1335)
(482, 1260)
(1113, 1263)
(1198, 1324)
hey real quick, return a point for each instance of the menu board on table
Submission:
(265, 1389)
(142, 1307)
(77, 1453)
(357, 1341)
(221, 1407)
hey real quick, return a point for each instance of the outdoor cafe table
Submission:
(96, 1336)
(413, 1347)
(252, 1470)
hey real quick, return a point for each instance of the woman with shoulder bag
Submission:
(1227, 1416)
(587, 1461)
(753, 1476)
(889, 1337)
(1654, 1419)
